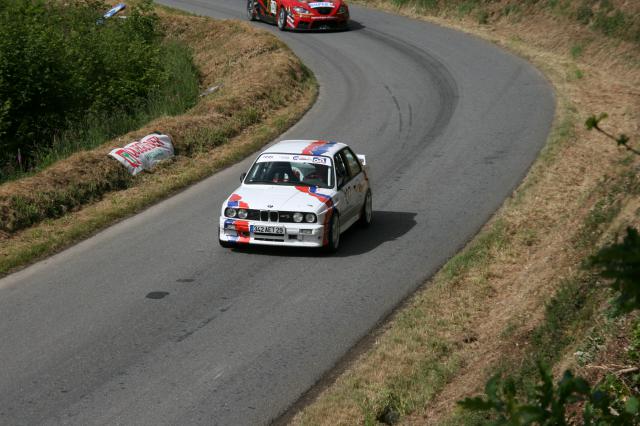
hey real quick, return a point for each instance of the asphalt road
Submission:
(450, 125)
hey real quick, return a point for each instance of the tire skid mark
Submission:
(395, 101)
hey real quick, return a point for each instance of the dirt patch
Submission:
(262, 88)
(478, 313)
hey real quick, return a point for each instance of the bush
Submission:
(60, 64)
(549, 404)
(620, 262)
(615, 24)
(584, 14)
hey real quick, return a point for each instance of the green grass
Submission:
(174, 98)
(577, 50)
(202, 139)
(609, 194)
(567, 318)
(404, 394)
(573, 306)
(477, 252)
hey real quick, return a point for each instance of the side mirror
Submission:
(242, 176)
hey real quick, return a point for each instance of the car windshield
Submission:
(291, 169)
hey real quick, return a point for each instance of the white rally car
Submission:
(301, 193)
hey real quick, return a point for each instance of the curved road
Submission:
(450, 125)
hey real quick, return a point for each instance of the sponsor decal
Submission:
(327, 200)
(274, 7)
(278, 157)
(145, 153)
(311, 159)
(235, 202)
(316, 5)
(242, 229)
(318, 147)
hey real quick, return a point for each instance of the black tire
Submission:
(282, 19)
(251, 10)
(226, 244)
(366, 214)
(334, 234)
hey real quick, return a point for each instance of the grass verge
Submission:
(176, 97)
(517, 293)
(77, 196)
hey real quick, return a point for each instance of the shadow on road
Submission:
(353, 26)
(386, 226)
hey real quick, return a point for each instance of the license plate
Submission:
(266, 229)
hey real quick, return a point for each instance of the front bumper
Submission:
(313, 22)
(296, 234)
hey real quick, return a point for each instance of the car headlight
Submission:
(342, 9)
(310, 217)
(297, 217)
(300, 10)
(230, 212)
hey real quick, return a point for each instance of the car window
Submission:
(352, 162)
(341, 170)
(291, 169)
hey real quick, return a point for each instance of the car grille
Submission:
(329, 23)
(270, 216)
(267, 215)
(324, 10)
(253, 214)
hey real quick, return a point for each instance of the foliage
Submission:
(593, 123)
(60, 64)
(620, 262)
(549, 404)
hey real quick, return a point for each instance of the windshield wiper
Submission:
(270, 182)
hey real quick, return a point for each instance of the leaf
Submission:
(492, 386)
(593, 121)
(529, 414)
(476, 404)
(622, 139)
(632, 406)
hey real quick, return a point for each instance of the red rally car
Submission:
(300, 14)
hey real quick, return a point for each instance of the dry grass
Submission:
(264, 89)
(479, 311)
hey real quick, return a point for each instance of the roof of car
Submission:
(307, 147)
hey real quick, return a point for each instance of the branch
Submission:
(626, 371)
(593, 122)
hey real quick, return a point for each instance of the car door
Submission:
(342, 181)
(357, 184)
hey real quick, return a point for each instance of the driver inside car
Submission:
(282, 172)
